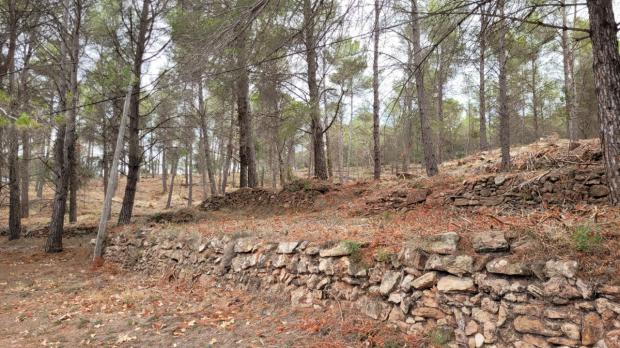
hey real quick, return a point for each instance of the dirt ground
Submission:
(60, 301)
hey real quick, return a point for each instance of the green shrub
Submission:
(440, 336)
(382, 255)
(585, 239)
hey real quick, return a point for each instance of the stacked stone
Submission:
(487, 299)
(559, 186)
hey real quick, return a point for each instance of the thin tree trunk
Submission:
(484, 145)
(229, 152)
(190, 184)
(54, 240)
(316, 127)
(430, 161)
(164, 170)
(535, 96)
(604, 34)
(205, 138)
(569, 82)
(504, 116)
(172, 177)
(111, 186)
(73, 183)
(375, 94)
(25, 175)
(134, 152)
(14, 199)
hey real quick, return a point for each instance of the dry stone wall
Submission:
(487, 299)
(565, 186)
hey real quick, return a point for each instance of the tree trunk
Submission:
(134, 152)
(504, 116)
(14, 199)
(25, 175)
(164, 169)
(430, 162)
(316, 127)
(206, 142)
(569, 82)
(247, 157)
(603, 33)
(190, 184)
(535, 96)
(484, 145)
(54, 240)
(229, 151)
(73, 183)
(172, 177)
(375, 97)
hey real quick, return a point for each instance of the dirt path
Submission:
(58, 301)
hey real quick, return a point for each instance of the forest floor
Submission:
(59, 300)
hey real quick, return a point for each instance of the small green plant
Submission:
(392, 344)
(351, 246)
(440, 336)
(585, 239)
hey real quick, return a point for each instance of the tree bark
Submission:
(504, 116)
(14, 199)
(375, 97)
(430, 160)
(190, 184)
(73, 183)
(172, 177)
(603, 33)
(316, 126)
(25, 175)
(164, 169)
(229, 152)
(134, 152)
(535, 96)
(205, 139)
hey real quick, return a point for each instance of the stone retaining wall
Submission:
(565, 186)
(487, 299)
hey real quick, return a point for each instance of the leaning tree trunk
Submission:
(603, 33)
(430, 160)
(172, 177)
(504, 116)
(135, 153)
(376, 153)
(316, 126)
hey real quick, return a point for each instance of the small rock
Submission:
(499, 180)
(505, 266)
(489, 305)
(445, 243)
(479, 340)
(286, 247)
(571, 331)
(428, 312)
(389, 282)
(592, 329)
(458, 265)
(245, 245)
(427, 280)
(490, 241)
(527, 324)
(452, 283)
(598, 191)
(373, 308)
(567, 269)
(559, 287)
(338, 250)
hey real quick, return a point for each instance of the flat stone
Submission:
(490, 241)
(428, 312)
(286, 247)
(452, 283)
(427, 280)
(531, 325)
(411, 257)
(571, 331)
(499, 180)
(374, 308)
(471, 328)
(458, 265)
(599, 191)
(479, 340)
(559, 287)
(416, 196)
(536, 341)
(563, 341)
(566, 269)
(389, 282)
(338, 250)
(245, 245)
(508, 267)
(592, 329)
(445, 243)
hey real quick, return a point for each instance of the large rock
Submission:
(389, 282)
(445, 243)
(508, 267)
(416, 196)
(567, 269)
(452, 283)
(528, 324)
(559, 287)
(286, 247)
(374, 308)
(245, 245)
(459, 265)
(427, 280)
(598, 191)
(339, 249)
(592, 330)
(489, 241)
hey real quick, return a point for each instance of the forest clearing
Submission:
(310, 173)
